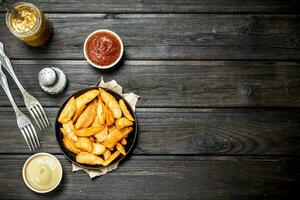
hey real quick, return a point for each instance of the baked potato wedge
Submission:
(88, 158)
(88, 116)
(111, 158)
(84, 144)
(100, 111)
(123, 141)
(69, 130)
(121, 149)
(98, 149)
(70, 145)
(106, 154)
(87, 132)
(114, 137)
(100, 137)
(123, 122)
(108, 116)
(111, 103)
(125, 110)
(78, 113)
(86, 97)
(68, 111)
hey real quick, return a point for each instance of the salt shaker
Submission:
(52, 80)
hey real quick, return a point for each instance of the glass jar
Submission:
(34, 29)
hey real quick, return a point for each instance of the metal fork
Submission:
(24, 123)
(32, 104)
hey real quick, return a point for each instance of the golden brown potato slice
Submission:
(108, 116)
(123, 141)
(123, 122)
(68, 111)
(96, 122)
(111, 158)
(111, 103)
(88, 116)
(69, 130)
(86, 97)
(87, 132)
(106, 154)
(84, 144)
(121, 149)
(111, 128)
(98, 149)
(78, 113)
(125, 110)
(70, 146)
(100, 137)
(88, 158)
(100, 111)
(114, 137)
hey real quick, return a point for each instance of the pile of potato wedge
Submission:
(94, 126)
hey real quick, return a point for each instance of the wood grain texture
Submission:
(182, 83)
(189, 132)
(166, 177)
(167, 6)
(177, 36)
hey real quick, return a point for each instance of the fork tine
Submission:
(28, 131)
(29, 138)
(25, 137)
(45, 118)
(31, 127)
(35, 119)
(38, 117)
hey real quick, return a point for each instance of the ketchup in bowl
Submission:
(103, 48)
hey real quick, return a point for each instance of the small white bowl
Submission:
(103, 66)
(25, 178)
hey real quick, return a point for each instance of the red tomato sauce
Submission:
(103, 48)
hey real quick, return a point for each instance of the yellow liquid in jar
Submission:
(27, 23)
(34, 29)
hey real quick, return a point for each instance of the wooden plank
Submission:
(166, 177)
(177, 36)
(166, 6)
(182, 83)
(189, 131)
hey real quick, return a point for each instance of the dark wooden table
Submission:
(219, 113)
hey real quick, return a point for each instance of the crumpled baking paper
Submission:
(132, 99)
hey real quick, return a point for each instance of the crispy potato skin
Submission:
(111, 158)
(68, 111)
(125, 110)
(110, 120)
(123, 141)
(78, 113)
(84, 144)
(121, 149)
(87, 132)
(111, 103)
(70, 146)
(86, 97)
(88, 158)
(88, 116)
(101, 111)
(123, 122)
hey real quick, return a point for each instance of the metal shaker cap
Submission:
(52, 80)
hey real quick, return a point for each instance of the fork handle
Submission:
(4, 84)
(7, 65)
